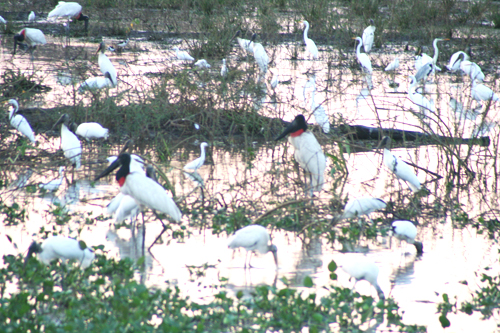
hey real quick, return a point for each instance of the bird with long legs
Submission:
(105, 64)
(32, 37)
(368, 37)
(430, 67)
(363, 269)
(70, 144)
(19, 122)
(398, 167)
(260, 55)
(308, 152)
(363, 58)
(245, 44)
(253, 238)
(406, 231)
(197, 163)
(418, 99)
(310, 45)
(68, 11)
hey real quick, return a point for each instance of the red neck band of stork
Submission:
(121, 180)
(297, 133)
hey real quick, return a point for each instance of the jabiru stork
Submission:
(68, 11)
(19, 122)
(32, 37)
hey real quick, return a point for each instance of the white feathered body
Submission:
(320, 115)
(472, 69)
(202, 63)
(95, 83)
(92, 131)
(401, 170)
(105, 65)
(252, 238)
(261, 57)
(363, 58)
(65, 248)
(362, 206)
(309, 155)
(482, 93)
(123, 207)
(31, 16)
(33, 37)
(368, 37)
(245, 44)
(182, 55)
(394, 65)
(363, 269)
(66, 10)
(54, 184)
(223, 70)
(71, 146)
(21, 124)
(456, 61)
(136, 163)
(404, 230)
(197, 163)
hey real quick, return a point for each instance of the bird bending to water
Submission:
(310, 45)
(19, 122)
(32, 37)
(308, 152)
(53, 185)
(363, 58)
(363, 269)
(64, 248)
(398, 167)
(197, 163)
(406, 230)
(105, 64)
(456, 60)
(182, 55)
(368, 37)
(68, 11)
(362, 206)
(253, 238)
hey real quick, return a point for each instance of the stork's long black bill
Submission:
(34, 248)
(62, 119)
(293, 127)
(109, 169)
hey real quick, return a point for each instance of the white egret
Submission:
(223, 69)
(423, 73)
(70, 144)
(363, 269)
(320, 115)
(253, 238)
(19, 122)
(31, 17)
(182, 55)
(480, 92)
(275, 80)
(32, 37)
(53, 185)
(202, 63)
(406, 230)
(68, 11)
(363, 58)
(361, 206)
(64, 248)
(105, 64)
(245, 44)
(310, 45)
(260, 55)
(311, 83)
(368, 37)
(398, 167)
(472, 69)
(423, 59)
(431, 65)
(421, 101)
(197, 163)
(393, 66)
(455, 61)
(96, 83)
(308, 152)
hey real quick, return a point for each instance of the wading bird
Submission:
(368, 36)
(223, 69)
(260, 55)
(53, 185)
(275, 80)
(91, 131)
(363, 269)
(308, 152)
(182, 55)
(197, 163)
(96, 83)
(105, 64)
(70, 144)
(310, 45)
(398, 167)
(31, 17)
(319, 114)
(245, 44)
(420, 100)
(394, 65)
(19, 122)
(253, 238)
(455, 61)
(426, 67)
(2, 20)
(68, 11)
(406, 230)
(202, 63)
(361, 206)
(363, 58)
(64, 248)
(32, 37)
(472, 69)
(480, 92)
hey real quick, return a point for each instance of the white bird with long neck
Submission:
(406, 231)
(64, 248)
(19, 122)
(105, 64)
(320, 115)
(67, 11)
(245, 44)
(456, 60)
(421, 101)
(253, 238)
(260, 55)
(182, 55)
(54, 185)
(363, 269)
(197, 163)
(361, 206)
(398, 167)
(32, 37)
(363, 58)
(480, 92)
(308, 152)
(310, 45)
(368, 37)
(70, 144)
(394, 65)
(430, 67)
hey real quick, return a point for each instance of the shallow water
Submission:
(232, 177)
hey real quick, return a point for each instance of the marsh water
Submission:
(232, 176)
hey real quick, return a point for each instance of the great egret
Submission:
(31, 17)
(223, 69)
(361, 206)
(96, 83)
(393, 66)
(197, 163)
(253, 238)
(421, 101)
(310, 45)
(480, 92)
(245, 44)
(363, 58)
(105, 64)
(64, 248)
(320, 115)
(53, 185)
(363, 269)
(455, 61)
(472, 69)
(260, 55)
(68, 11)
(311, 83)
(368, 36)
(70, 144)
(32, 37)
(182, 55)
(308, 152)
(398, 167)
(202, 63)
(426, 67)
(406, 230)
(19, 122)
(275, 80)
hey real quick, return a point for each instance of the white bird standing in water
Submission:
(363, 269)
(472, 69)
(398, 167)
(105, 64)
(64, 248)
(368, 37)
(260, 55)
(253, 238)
(54, 185)
(223, 69)
(245, 44)
(308, 152)
(182, 55)
(310, 45)
(70, 144)
(363, 58)
(429, 67)
(420, 100)
(197, 163)
(19, 122)
(480, 92)
(68, 11)
(406, 231)
(32, 37)
(91, 131)
(456, 60)
(362, 206)
(319, 113)
(31, 16)
(394, 65)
